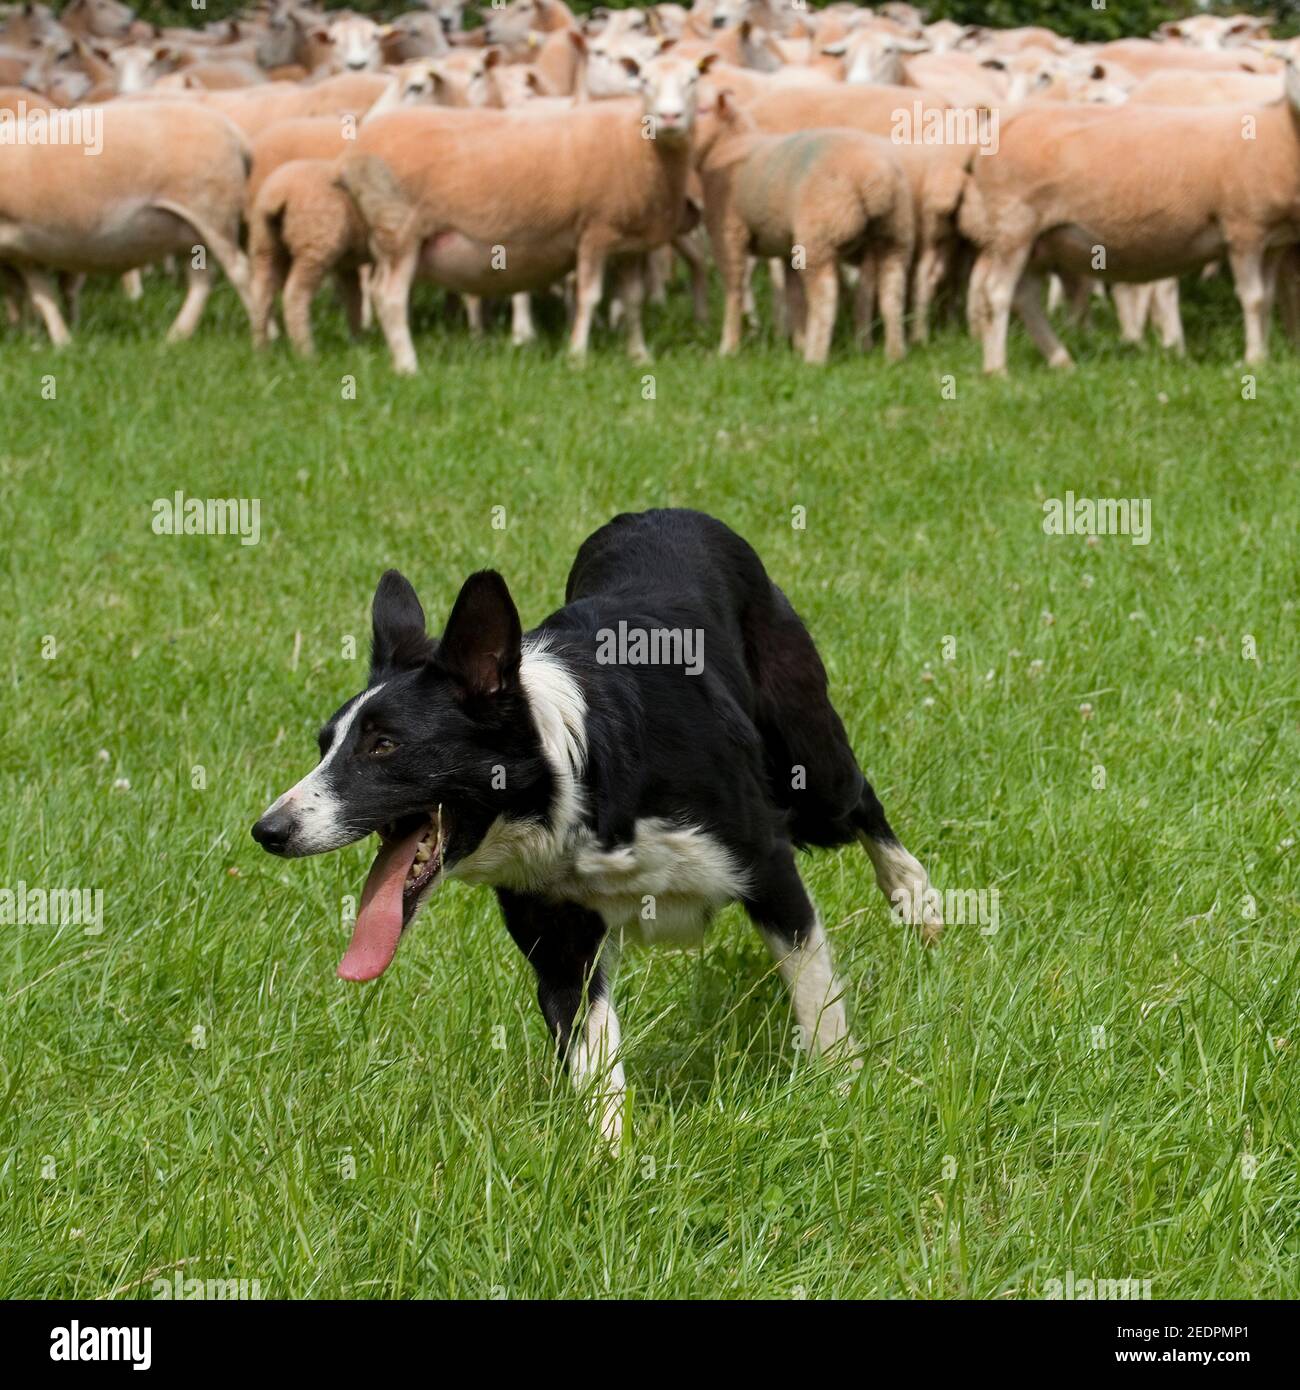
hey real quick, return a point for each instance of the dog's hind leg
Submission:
(901, 877)
(784, 914)
(569, 948)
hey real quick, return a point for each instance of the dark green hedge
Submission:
(1077, 18)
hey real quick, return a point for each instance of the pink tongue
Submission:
(379, 923)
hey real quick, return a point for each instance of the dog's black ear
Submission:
(399, 641)
(480, 647)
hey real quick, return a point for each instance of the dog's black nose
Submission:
(273, 830)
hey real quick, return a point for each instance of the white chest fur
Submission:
(661, 888)
(658, 889)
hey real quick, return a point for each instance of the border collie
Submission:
(657, 748)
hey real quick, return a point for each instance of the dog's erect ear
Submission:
(480, 647)
(399, 640)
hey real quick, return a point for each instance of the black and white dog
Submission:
(658, 747)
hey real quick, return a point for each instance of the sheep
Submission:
(1143, 56)
(1068, 181)
(825, 195)
(97, 19)
(167, 180)
(485, 215)
(935, 173)
(302, 226)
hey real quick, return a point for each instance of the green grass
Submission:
(989, 1144)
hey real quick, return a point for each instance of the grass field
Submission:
(1105, 1087)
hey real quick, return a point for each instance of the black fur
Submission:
(750, 750)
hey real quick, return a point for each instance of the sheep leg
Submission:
(365, 278)
(891, 269)
(735, 267)
(659, 269)
(40, 289)
(224, 245)
(930, 266)
(591, 276)
(12, 290)
(300, 288)
(1252, 294)
(72, 286)
(1079, 290)
(1167, 316)
(688, 249)
(390, 287)
(1001, 277)
(1029, 305)
(777, 275)
(266, 277)
(522, 331)
(632, 290)
(1132, 307)
(132, 285)
(198, 280)
(977, 304)
(347, 285)
(821, 289)
(473, 314)
(796, 307)
(864, 301)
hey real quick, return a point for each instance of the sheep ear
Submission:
(398, 638)
(630, 66)
(481, 647)
(705, 62)
(578, 41)
(491, 58)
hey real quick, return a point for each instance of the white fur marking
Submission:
(528, 854)
(320, 824)
(817, 996)
(905, 883)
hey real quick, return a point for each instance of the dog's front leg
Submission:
(568, 947)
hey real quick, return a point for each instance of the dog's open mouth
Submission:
(408, 862)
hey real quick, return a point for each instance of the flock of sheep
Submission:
(840, 146)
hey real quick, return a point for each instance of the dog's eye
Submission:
(382, 747)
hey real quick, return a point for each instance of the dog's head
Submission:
(436, 748)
